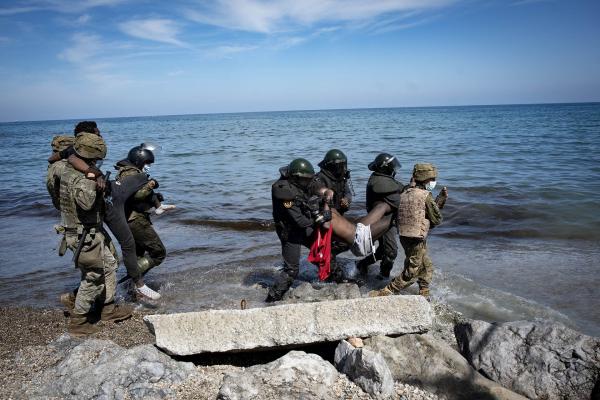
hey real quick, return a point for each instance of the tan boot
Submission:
(79, 326)
(381, 292)
(68, 300)
(115, 313)
(424, 291)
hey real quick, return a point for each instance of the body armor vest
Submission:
(412, 221)
(53, 175)
(72, 215)
(337, 185)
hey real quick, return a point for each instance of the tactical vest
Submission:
(53, 175)
(73, 216)
(285, 195)
(412, 221)
(337, 185)
(382, 188)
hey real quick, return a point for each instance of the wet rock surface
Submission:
(311, 292)
(96, 368)
(539, 359)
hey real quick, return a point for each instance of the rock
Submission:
(307, 292)
(431, 364)
(297, 375)
(355, 342)
(366, 368)
(539, 359)
(445, 318)
(289, 324)
(102, 369)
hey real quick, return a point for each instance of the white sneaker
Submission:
(163, 208)
(146, 293)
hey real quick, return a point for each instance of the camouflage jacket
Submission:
(143, 200)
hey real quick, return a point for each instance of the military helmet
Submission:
(140, 156)
(300, 168)
(424, 171)
(90, 145)
(62, 142)
(385, 163)
(332, 157)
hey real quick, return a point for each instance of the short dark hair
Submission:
(86, 126)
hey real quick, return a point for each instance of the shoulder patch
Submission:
(288, 204)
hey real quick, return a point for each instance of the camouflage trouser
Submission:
(147, 240)
(98, 266)
(417, 265)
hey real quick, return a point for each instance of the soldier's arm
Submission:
(85, 192)
(145, 191)
(432, 211)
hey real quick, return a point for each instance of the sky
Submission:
(63, 59)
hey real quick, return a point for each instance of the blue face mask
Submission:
(430, 185)
(146, 168)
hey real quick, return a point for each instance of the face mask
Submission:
(430, 185)
(146, 168)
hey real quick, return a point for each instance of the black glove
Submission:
(160, 197)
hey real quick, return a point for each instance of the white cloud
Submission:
(158, 30)
(84, 48)
(226, 51)
(283, 15)
(83, 19)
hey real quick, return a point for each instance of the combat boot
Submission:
(115, 313)
(424, 291)
(68, 300)
(381, 292)
(79, 326)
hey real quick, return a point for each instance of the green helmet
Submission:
(300, 168)
(424, 171)
(90, 145)
(62, 142)
(385, 163)
(333, 156)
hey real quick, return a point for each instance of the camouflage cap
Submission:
(424, 171)
(62, 142)
(90, 145)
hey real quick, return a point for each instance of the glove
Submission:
(160, 197)
(163, 208)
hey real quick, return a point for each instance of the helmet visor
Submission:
(153, 147)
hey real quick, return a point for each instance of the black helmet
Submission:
(300, 168)
(336, 162)
(385, 163)
(140, 156)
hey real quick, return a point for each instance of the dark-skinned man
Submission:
(296, 220)
(383, 187)
(335, 176)
(417, 213)
(82, 213)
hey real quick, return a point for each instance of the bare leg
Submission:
(379, 223)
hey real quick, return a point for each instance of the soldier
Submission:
(149, 248)
(334, 175)
(294, 222)
(59, 143)
(82, 211)
(383, 187)
(417, 213)
(296, 219)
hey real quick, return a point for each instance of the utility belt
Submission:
(80, 231)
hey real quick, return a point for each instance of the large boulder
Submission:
(95, 368)
(366, 368)
(539, 359)
(289, 324)
(430, 363)
(297, 375)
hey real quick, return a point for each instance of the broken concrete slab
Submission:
(289, 324)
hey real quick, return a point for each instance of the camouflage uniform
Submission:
(55, 170)
(82, 211)
(138, 217)
(417, 264)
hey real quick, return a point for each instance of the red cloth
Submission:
(320, 251)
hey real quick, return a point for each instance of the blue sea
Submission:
(521, 231)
